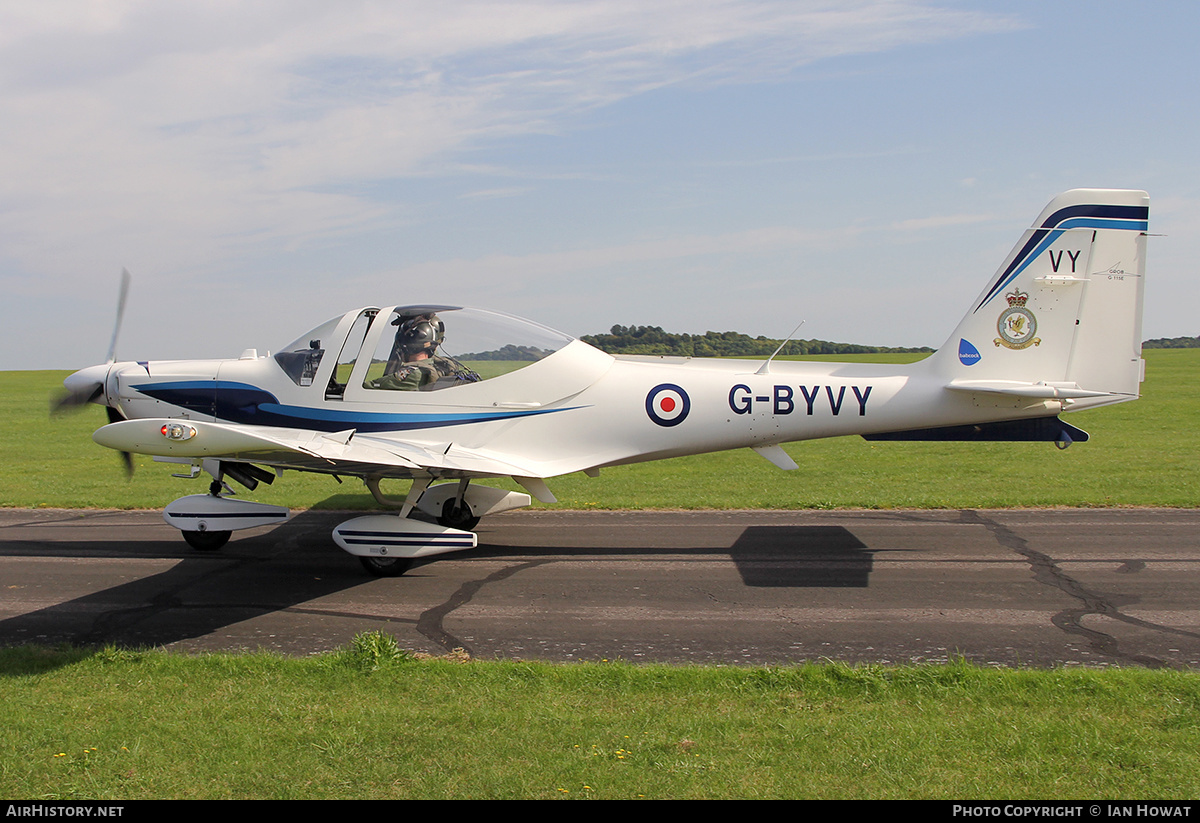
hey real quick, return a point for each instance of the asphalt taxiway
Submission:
(1095, 587)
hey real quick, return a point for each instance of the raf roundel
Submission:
(668, 404)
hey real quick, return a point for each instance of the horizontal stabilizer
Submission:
(1015, 388)
(1045, 429)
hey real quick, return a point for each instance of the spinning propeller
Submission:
(87, 385)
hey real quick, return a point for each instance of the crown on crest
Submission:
(1016, 297)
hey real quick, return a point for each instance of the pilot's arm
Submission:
(409, 377)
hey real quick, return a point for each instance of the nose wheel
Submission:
(386, 566)
(206, 541)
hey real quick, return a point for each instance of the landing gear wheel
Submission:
(462, 519)
(206, 541)
(386, 566)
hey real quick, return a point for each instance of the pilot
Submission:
(415, 364)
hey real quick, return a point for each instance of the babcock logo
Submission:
(668, 404)
(968, 355)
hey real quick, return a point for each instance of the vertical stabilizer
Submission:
(1065, 308)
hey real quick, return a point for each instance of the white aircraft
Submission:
(446, 393)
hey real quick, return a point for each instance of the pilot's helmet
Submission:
(418, 334)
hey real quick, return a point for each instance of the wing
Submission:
(343, 452)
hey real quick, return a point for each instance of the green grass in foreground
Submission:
(1145, 453)
(370, 722)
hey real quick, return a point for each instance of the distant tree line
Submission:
(1172, 343)
(507, 352)
(653, 340)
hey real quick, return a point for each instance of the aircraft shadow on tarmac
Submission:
(766, 556)
(802, 556)
(297, 562)
(205, 591)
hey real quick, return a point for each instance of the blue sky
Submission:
(860, 166)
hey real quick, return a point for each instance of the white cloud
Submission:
(145, 118)
(939, 222)
(177, 138)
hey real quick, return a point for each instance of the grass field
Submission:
(368, 723)
(1145, 453)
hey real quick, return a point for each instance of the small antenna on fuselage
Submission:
(765, 368)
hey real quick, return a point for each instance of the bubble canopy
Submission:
(481, 342)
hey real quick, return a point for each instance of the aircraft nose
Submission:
(86, 385)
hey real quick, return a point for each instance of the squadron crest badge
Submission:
(1017, 325)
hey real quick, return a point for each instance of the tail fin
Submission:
(1064, 312)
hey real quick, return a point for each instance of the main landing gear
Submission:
(457, 515)
(387, 545)
(386, 567)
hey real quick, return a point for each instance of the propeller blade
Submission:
(121, 295)
(88, 385)
(73, 399)
(80, 388)
(115, 416)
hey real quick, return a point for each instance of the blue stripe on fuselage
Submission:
(243, 403)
